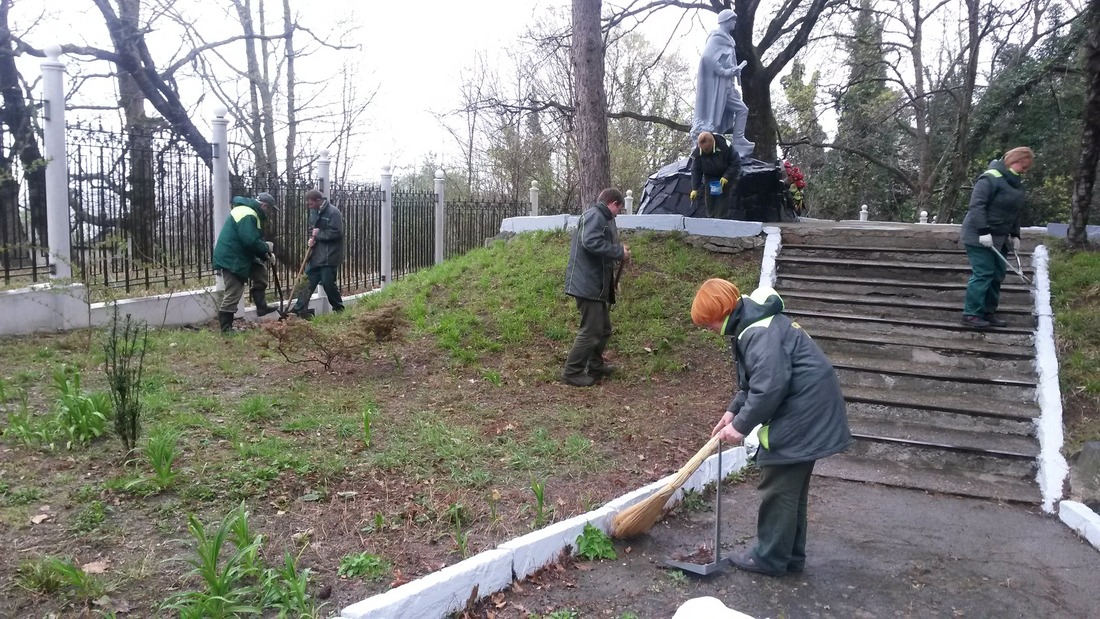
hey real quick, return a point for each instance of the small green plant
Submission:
(543, 512)
(48, 575)
(493, 377)
(693, 501)
(594, 544)
(257, 407)
(363, 564)
(370, 411)
(161, 451)
(628, 615)
(90, 518)
(22, 496)
(285, 590)
(39, 576)
(225, 592)
(563, 614)
(124, 362)
(677, 578)
(80, 418)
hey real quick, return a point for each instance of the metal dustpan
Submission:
(1017, 268)
(718, 563)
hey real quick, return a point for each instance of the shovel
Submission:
(704, 569)
(282, 301)
(1018, 268)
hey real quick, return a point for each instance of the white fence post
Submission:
(534, 198)
(220, 181)
(439, 217)
(58, 234)
(923, 217)
(629, 201)
(386, 250)
(324, 171)
(863, 213)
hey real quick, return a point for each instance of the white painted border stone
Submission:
(1053, 468)
(1081, 519)
(673, 223)
(439, 593)
(45, 307)
(772, 246)
(531, 223)
(726, 228)
(542, 547)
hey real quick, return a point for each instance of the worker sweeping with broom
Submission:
(787, 385)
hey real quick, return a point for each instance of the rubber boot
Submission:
(225, 321)
(262, 308)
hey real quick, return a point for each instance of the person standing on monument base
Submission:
(590, 279)
(714, 172)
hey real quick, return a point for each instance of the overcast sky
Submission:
(413, 53)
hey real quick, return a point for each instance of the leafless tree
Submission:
(591, 117)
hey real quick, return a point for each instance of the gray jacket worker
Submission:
(589, 278)
(326, 253)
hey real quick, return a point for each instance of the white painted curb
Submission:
(1053, 468)
(440, 593)
(1081, 519)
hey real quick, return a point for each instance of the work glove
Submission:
(694, 194)
(725, 181)
(986, 240)
(270, 247)
(1015, 244)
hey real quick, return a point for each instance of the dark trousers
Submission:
(592, 337)
(718, 207)
(983, 290)
(326, 277)
(234, 286)
(781, 523)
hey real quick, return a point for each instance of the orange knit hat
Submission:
(715, 300)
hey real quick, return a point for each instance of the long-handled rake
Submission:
(1018, 268)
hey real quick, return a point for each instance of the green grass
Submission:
(1075, 288)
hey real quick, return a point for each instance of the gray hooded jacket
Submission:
(995, 205)
(786, 383)
(592, 256)
(328, 251)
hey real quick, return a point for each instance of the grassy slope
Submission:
(1075, 287)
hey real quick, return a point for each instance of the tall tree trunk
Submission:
(18, 118)
(960, 157)
(267, 97)
(140, 199)
(1090, 137)
(255, 123)
(133, 57)
(291, 101)
(591, 108)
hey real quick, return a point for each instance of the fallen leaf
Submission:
(584, 567)
(96, 567)
(347, 494)
(40, 518)
(310, 497)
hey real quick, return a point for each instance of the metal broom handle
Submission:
(718, 507)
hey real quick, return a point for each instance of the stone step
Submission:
(915, 382)
(930, 436)
(948, 291)
(873, 469)
(887, 254)
(927, 363)
(943, 419)
(942, 402)
(936, 311)
(905, 271)
(823, 322)
(939, 458)
(887, 234)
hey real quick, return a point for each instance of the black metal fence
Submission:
(141, 209)
(23, 253)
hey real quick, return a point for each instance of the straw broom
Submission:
(641, 517)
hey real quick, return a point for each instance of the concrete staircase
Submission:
(932, 404)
